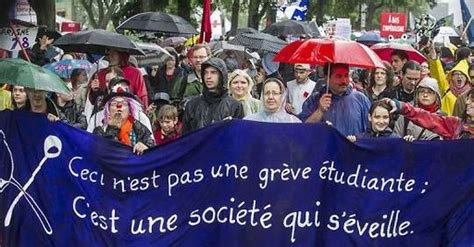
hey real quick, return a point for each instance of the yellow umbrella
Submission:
(191, 41)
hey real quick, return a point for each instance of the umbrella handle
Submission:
(327, 82)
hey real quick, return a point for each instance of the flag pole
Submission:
(466, 27)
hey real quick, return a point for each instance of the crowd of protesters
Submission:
(192, 89)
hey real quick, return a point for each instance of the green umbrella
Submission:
(19, 72)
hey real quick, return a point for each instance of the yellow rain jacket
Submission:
(448, 99)
(5, 98)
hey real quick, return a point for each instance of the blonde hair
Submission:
(239, 72)
(167, 112)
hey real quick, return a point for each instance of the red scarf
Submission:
(431, 108)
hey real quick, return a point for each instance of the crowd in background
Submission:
(192, 89)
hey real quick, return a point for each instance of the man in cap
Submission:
(299, 89)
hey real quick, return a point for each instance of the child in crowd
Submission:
(168, 128)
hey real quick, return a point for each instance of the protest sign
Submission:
(343, 28)
(392, 24)
(26, 35)
(235, 183)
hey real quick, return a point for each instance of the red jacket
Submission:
(449, 128)
(161, 139)
(137, 83)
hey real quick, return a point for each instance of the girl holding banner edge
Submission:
(380, 116)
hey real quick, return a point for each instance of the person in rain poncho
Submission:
(240, 85)
(133, 75)
(339, 104)
(452, 85)
(273, 98)
(460, 105)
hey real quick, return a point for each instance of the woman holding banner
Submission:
(379, 119)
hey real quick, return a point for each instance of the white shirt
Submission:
(298, 93)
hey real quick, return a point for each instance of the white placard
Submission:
(26, 37)
(343, 28)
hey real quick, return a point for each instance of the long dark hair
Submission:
(75, 73)
(389, 75)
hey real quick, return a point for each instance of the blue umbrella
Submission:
(370, 38)
(65, 67)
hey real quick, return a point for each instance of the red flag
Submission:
(206, 31)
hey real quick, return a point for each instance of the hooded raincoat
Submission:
(280, 116)
(448, 95)
(211, 107)
(450, 128)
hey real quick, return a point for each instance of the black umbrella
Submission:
(288, 27)
(259, 41)
(96, 42)
(158, 22)
(238, 31)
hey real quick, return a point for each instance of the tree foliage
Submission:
(45, 12)
(99, 12)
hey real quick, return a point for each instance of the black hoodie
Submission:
(211, 107)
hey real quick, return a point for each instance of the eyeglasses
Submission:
(457, 74)
(271, 93)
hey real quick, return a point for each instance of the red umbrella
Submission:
(384, 50)
(322, 51)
